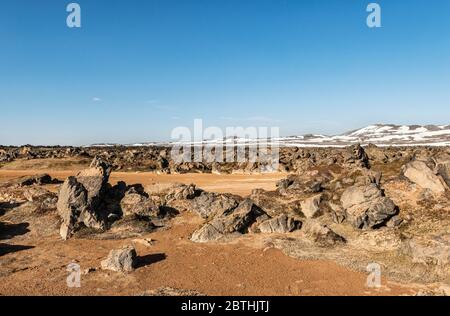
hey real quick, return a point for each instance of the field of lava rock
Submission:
(352, 206)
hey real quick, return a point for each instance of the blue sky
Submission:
(136, 69)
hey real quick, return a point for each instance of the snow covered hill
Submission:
(378, 134)
(381, 135)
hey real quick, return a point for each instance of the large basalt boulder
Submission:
(321, 234)
(39, 200)
(80, 199)
(121, 260)
(356, 155)
(94, 179)
(209, 204)
(181, 192)
(280, 224)
(442, 168)
(134, 203)
(431, 250)
(419, 173)
(367, 207)
(228, 222)
(72, 201)
(38, 179)
(295, 185)
(311, 206)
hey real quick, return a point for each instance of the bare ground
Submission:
(248, 266)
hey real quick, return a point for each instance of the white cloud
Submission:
(96, 99)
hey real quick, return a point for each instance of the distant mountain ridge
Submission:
(377, 134)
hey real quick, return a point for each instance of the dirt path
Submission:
(234, 183)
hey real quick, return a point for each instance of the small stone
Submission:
(120, 260)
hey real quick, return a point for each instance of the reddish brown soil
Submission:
(244, 267)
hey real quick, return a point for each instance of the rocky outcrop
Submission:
(434, 250)
(209, 204)
(419, 173)
(356, 155)
(181, 192)
(442, 167)
(39, 179)
(294, 185)
(281, 224)
(367, 206)
(94, 180)
(134, 203)
(121, 260)
(72, 202)
(321, 234)
(311, 206)
(229, 222)
(80, 199)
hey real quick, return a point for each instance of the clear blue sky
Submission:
(137, 69)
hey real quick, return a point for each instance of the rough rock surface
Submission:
(311, 206)
(209, 204)
(367, 207)
(134, 203)
(80, 199)
(434, 250)
(121, 260)
(418, 172)
(442, 167)
(280, 224)
(72, 202)
(237, 220)
(94, 179)
(356, 155)
(39, 179)
(321, 234)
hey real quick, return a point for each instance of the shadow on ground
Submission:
(8, 231)
(150, 259)
(6, 249)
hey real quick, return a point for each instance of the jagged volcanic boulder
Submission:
(135, 203)
(294, 185)
(237, 220)
(39, 179)
(94, 179)
(442, 167)
(321, 234)
(121, 260)
(275, 204)
(429, 250)
(356, 155)
(181, 192)
(367, 207)
(209, 204)
(280, 224)
(72, 202)
(80, 199)
(418, 172)
(311, 206)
